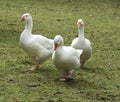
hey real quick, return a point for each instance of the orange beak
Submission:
(22, 18)
(55, 46)
(79, 24)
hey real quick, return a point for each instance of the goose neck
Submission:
(59, 49)
(29, 26)
(81, 32)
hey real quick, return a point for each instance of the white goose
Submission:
(38, 47)
(65, 58)
(82, 43)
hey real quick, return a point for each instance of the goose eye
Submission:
(59, 40)
(26, 15)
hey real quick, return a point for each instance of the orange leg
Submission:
(36, 66)
(68, 76)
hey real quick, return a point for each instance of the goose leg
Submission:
(36, 66)
(68, 76)
(82, 65)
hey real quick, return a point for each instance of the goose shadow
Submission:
(94, 70)
(79, 83)
(41, 70)
(82, 83)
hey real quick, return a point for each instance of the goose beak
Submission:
(79, 24)
(22, 19)
(55, 46)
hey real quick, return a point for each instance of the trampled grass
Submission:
(99, 81)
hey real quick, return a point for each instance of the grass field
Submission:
(98, 82)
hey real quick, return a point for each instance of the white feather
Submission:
(38, 47)
(65, 58)
(82, 43)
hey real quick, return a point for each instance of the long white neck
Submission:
(29, 26)
(58, 50)
(81, 32)
(27, 31)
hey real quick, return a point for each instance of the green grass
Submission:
(98, 82)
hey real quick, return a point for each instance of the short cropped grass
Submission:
(99, 81)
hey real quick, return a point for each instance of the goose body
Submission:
(38, 47)
(82, 43)
(65, 58)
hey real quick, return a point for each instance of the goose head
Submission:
(26, 17)
(80, 23)
(58, 41)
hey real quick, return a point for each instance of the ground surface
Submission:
(98, 82)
